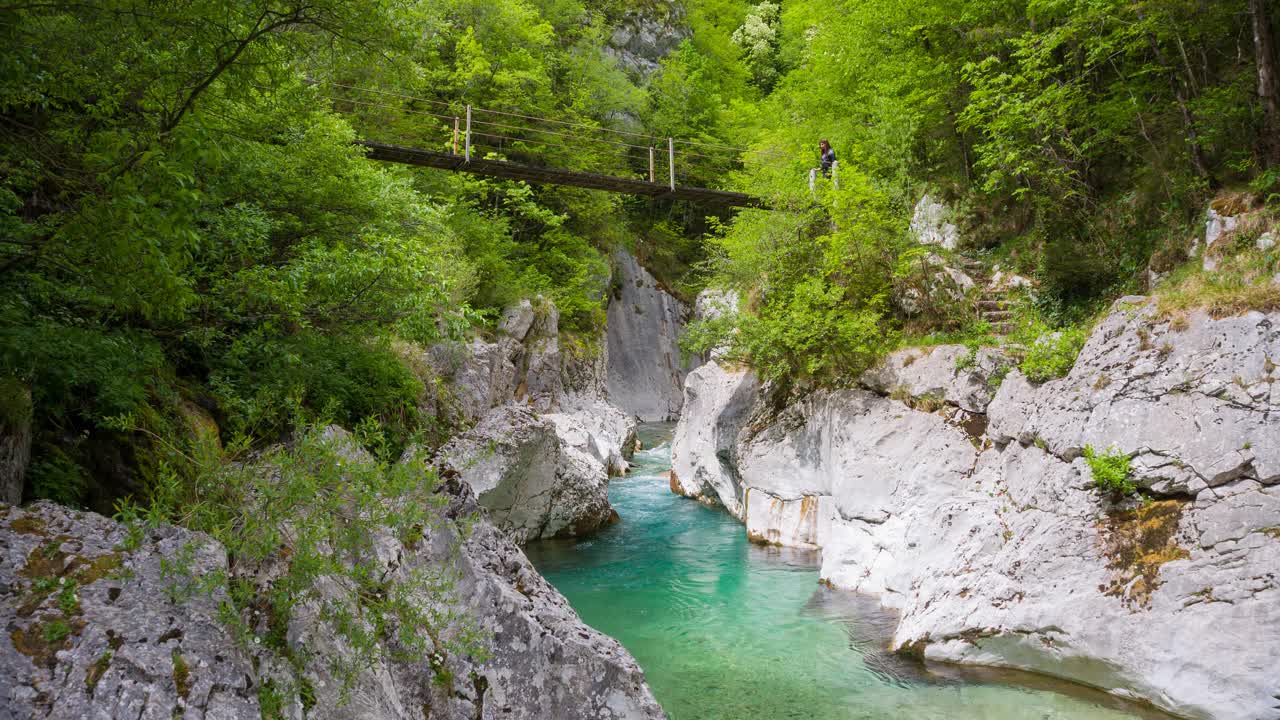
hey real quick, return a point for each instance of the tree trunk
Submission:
(15, 438)
(1264, 45)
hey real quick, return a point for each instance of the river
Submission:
(728, 630)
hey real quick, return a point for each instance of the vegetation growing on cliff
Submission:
(1111, 471)
(1078, 141)
(188, 230)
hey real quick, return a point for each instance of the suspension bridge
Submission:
(463, 138)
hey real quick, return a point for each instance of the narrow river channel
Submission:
(727, 630)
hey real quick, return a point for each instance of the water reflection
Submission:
(729, 630)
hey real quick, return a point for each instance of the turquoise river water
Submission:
(727, 630)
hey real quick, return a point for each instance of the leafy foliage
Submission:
(1052, 354)
(190, 218)
(1110, 471)
(315, 511)
(1076, 138)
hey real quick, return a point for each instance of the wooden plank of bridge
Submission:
(554, 176)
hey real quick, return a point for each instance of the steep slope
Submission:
(646, 371)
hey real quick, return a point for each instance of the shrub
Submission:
(321, 503)
(814, 333)
(340, 378)
(55, 476)
(1111, 470)
(1053, 355)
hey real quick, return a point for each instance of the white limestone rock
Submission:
(126, 630)
(1201, 397)
(789, 522)
(1216, 227)
(646, 367)
(930, 223)
(647, 34)
(479, 375)
(1001, 280)
(1032, 570)
(517, 319)
(951, 373)
(942, 281)
(534, 484)
(713, 304)
(1266, 241)
(717, 402)
(1000, 550)
(602, 431)
(869, 460)
(135, 625)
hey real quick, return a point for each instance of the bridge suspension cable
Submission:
(583, 149)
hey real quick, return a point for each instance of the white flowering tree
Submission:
(758, 38)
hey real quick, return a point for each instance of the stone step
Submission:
(993, 304)
(996, 315)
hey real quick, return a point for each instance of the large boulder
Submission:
(931, 224)
(602, 431)
(533, 483)
(646, 367)
(1001, 550)
(718, 402)
(94, 630)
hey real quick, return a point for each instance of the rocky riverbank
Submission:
(960, 497)
(109, 619)
(100, 631)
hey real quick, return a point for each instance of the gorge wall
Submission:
(99, 628)
(645, 368)
(971, 511)
(147, 637)
(541, 436)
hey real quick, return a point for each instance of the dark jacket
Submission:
(828, 159)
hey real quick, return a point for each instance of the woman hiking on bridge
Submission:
(827, 163)
(827, 157)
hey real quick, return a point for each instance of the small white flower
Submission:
(257, 640)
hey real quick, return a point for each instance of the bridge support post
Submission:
(455, 134)
(652, 176)
(671, 157)
(468, 152)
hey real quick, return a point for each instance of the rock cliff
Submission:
(543, 438)
(646, 34)
(94, 630)
(645, 367)
(971, 511)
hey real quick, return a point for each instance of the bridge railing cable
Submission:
(472, 131)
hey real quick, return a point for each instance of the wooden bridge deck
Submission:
(554, 176)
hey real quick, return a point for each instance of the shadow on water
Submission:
(725, 629)
(869, 627)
